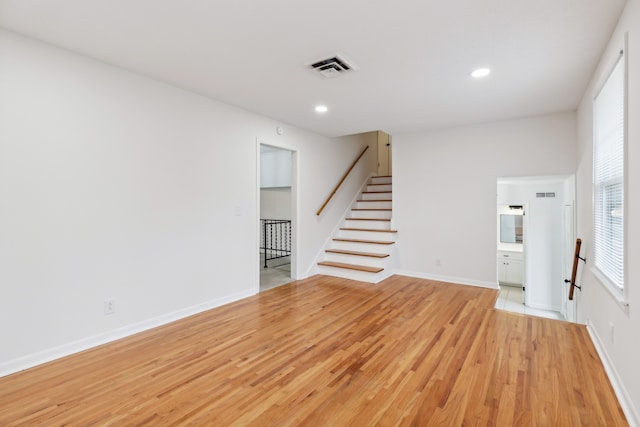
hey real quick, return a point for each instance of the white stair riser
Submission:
(361, 247)
(361, 276)
(378, 225)
(370, 214)
(381, 180)
(377, 196)
(367, 235)
(373, 205)
(378, 189)
(385, 187)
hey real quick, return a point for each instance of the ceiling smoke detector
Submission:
(333, 66)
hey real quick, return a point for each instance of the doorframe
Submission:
(569, 230)
(295, 206)
(526, 253)
(568, 194)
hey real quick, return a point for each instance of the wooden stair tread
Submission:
(368, 219)
(373, 242)
(377, 194)
(358, 253)
(351, 266)
(368, 229)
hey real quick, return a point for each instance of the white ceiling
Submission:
(414, 55)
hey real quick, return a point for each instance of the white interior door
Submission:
(384, 154)
(568, 244)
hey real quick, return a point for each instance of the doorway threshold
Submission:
(511, 299)
(275, 276)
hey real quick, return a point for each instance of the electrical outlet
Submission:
(109, 306)
(438, 262)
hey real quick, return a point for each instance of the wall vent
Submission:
(333, 66)
(550, 194)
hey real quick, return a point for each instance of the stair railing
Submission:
(275, 241)
(326, 202)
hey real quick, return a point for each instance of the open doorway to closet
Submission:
(276, 201)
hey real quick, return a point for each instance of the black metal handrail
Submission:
(275, 239)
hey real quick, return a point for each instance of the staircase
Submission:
(362, 248)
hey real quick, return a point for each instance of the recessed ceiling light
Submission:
(321, 109)
(480, 73)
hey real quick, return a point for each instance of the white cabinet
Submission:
(510, 269)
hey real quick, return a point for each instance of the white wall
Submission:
(115, 186)
(615, 329)
(275, 167)
(275, 203)
(445, 190)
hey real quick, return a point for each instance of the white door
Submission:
(568, 251)
(384, 154)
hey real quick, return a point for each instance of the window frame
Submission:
(619, 292)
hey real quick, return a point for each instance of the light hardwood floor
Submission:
(331, 352)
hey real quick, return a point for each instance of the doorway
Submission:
(534, 261)
(276, 202)
(384, 153)
(510, 260)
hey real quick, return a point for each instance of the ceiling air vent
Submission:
(333, 66)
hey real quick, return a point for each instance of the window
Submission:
(609, 176)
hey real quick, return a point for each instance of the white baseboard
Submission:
(618, 386)
(448, 279)
(48, 355)
(544, 306)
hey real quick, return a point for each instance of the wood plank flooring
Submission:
(331, 352)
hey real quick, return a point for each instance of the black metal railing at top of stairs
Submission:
(275, 239)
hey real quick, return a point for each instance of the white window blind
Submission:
(608, 175)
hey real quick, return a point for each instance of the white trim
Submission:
(620, 295)
(449, 279)
(545, 307)
(611, 62)
(625, 168)
(48, 355)
(616, 293)
(256, 284)
(621, 392)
